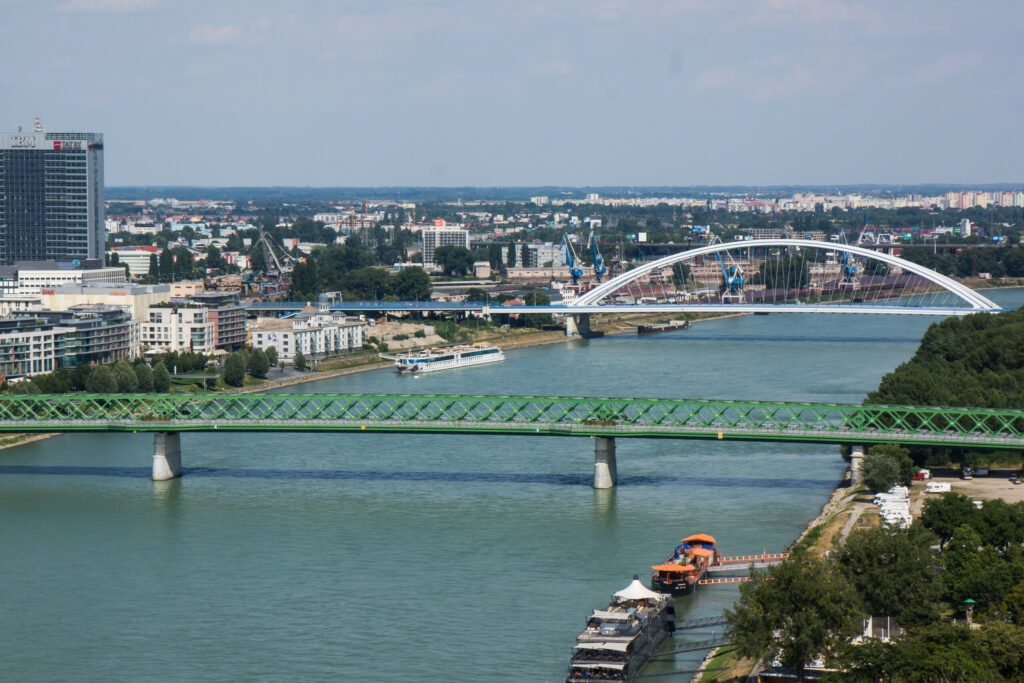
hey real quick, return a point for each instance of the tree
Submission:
(304, 285)
(454, 261)
(944, 515)
(144, 376)
(80, 377)
(510, 255)
(886, 465)
(161, 378)
(788, 272)
(234, 370)
(102, 381)
(299, 361)
(367, 284)
(154, 268)
(26, 386)
(411, 284)
(894, 571)
(272, 355)
(124, 375)
(477, 294)
(166, 273)
(494, 256)
(799, 610)
(259, 364)
(973, 571)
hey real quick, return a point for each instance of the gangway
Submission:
(727, 579)
(767, 558)
(699, 623)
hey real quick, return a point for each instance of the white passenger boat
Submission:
(447, 358)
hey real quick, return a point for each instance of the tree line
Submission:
(811, 607)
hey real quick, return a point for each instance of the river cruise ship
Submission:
(687, 565)
(622, 638)
(447, 358)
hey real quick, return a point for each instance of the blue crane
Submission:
(849, 268)
(732, 279)
(571, 260)
(595, 254)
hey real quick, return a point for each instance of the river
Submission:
(413, 558)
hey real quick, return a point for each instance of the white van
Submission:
(938, 487)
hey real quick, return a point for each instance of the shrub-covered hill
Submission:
(975, 361)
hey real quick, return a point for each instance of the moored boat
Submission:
(619, 640)
(448, 358)
(688, 563)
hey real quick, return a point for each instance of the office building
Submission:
(435, 237)
(33, 278)
(136, 258)
(51, 196)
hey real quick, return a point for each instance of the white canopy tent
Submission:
(637, 591)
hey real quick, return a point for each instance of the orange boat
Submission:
(686, 565)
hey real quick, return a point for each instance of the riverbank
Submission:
(838, 516)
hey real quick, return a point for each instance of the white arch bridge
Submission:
(773, 276)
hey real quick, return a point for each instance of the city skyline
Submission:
(765, 92)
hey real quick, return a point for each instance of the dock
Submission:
(670, 326)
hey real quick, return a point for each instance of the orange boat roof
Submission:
(703, 552)
(673, 567)
(701, 538)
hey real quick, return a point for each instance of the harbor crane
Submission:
(571, 260)
(732, 277)
(279, 261)
(847, 267)
(600, 269)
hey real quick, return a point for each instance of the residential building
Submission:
(316, 334)
(178, 327)
(545, 255)
(94, 333)
(136, 298)
(51, 196)
(227, 314)
(444, 236)
(29, 346)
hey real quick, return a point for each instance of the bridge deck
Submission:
(516, 415)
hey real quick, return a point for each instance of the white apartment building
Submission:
(174, 327)
(28, 347)
(435, 237)
(314, 334)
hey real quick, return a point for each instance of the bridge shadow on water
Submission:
(378, 475)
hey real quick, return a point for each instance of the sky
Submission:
(525, 92)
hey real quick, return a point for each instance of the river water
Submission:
(413, 558)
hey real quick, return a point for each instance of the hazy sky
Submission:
(489, 92)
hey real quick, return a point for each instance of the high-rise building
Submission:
(51, 196)
(441, 237)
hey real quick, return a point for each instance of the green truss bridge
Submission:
(603, 419)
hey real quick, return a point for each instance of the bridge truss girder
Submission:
(521, 415)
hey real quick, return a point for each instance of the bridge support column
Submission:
(605, 474)
(577, 325)
(166, 456)
(856, 465)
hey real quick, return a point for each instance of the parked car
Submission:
(923, 475)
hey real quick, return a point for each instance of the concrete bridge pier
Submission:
(856, 465)
(577, 325)
(166, 456)
(605, 474)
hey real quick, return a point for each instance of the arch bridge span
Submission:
(786, 275)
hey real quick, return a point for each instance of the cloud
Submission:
(768, 79)
(944, 70)
(107, 6)
(230, 34)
